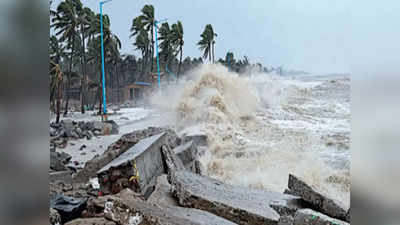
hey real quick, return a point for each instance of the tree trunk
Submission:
(83, 61)
(59, 97)
(209, 53)
(212, 45)
(152, 47)
(180, 62)
(69, 79)
(117, 77)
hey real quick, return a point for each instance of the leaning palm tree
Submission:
(166, 46)
(66, 22)
(147, 18)
(142, 43)
(177, 39)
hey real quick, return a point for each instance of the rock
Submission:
(110, 127)
(91, 221)
(310, 217)
(82, 147)
(318, 199)
(69, 208)
(162, 194)
(54, 217)
(137, 168)
(53, 132)
(238, 204)
(286, 220)
(127, 206)
(64, 176)
(58, 161)
(96, 126)
(68, 127)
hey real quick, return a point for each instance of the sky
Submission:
(317, 36)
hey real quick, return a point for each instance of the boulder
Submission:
(96, 125)
(91, 221)
(58, 160)
(68, 126)
(126, 207)
(318, 199)
(69, 208)
(310, 217)
(238, 204)
(110, 127)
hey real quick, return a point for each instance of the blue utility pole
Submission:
(158, 59)
(102, 60)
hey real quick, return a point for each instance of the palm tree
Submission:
(207, 42)
(166, 43)
(177, 39)
(56, 77)
(142, 43)
(147, 19)
(66, 23)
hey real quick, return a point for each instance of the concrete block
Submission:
(310, 217)
(137, 168)
(318, 199)
(63, 176)
(238, 204)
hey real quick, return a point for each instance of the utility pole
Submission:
(104, 118)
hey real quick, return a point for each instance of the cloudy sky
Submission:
(319, 36)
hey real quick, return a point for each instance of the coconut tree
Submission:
(177, 40)
(66, 22)
(206, 44)
(167, 50)
(148, 20)
(56, 78)
(142, 44)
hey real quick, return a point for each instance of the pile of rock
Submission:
(152, 176)
(61, 132)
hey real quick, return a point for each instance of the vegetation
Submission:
(75, 54)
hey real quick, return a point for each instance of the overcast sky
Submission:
(312, 35)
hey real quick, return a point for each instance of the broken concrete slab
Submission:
(120, 146)
(318, 199)
(172, 161)
(188, 154)
(125, 205)
(310, 217)
(91, 221)
(69, 208)
(162, 194)
(137, 168)
(237, 204)
(63, 176)
(58, 160)
(110, 127)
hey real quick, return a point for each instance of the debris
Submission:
(318, 199)
(69, 208)
(64, 176)
(286, 220)
(162, 194)
(82, 147)
(58, 161)
(188, 154)
(238, 204)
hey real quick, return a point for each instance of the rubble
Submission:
(63, 176)
(310, 217)
(58, 161)
(237, 204)
(125, 206)
(318, 199)
(68, 129)
(199, 139)
(54, 217)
